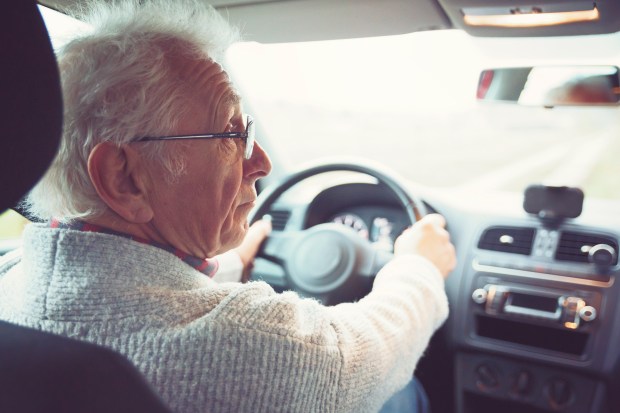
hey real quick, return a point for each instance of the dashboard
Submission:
(534, 306)
(533, 310)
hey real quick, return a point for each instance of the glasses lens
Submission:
(249, 142)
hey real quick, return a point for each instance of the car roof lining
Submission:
(276, 21)
(269, 21)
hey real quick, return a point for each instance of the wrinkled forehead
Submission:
(208, 81)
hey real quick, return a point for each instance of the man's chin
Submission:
(234, 240)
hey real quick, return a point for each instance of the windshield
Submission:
(409, 102)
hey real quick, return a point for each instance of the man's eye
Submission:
(236, 125)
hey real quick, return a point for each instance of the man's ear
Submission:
(119, 177)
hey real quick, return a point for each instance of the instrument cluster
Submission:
(380, 226)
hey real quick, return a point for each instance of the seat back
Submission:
(41, 372)
(30, 100)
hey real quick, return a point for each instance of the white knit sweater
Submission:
(225, 347)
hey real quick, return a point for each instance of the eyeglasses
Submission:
(248, 136)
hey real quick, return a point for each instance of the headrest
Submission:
(30, 100)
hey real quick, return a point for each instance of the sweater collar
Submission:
(206, 266)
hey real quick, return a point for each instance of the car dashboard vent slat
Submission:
(575, 246)
(279, 219)
(514, 240)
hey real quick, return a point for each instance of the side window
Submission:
(11, 226)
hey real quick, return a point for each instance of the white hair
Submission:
(120, 82)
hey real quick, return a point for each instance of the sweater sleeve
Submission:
(382, 337)
(372, 346)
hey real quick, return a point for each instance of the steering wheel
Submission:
(329, 262)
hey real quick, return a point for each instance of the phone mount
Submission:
(553, 204)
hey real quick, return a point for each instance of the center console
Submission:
(537, 328)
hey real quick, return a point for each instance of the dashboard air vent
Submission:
(514, 240)
(279, 219)
(576, 246)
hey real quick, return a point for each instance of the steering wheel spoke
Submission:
(372, 261)
(277, 247)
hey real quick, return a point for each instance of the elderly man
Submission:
(155, 176)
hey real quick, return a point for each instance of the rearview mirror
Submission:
(551, 86)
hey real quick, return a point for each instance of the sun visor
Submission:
(509, 18)
(309, 20)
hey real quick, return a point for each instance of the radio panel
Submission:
(558, 308)
(560, 318)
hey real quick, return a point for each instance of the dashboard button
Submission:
(602, 255)
(559, 393)
(479, 296)
(487, 377)
(587, 313)
(523, 383)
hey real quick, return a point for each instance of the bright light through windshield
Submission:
(360, 74)
(409, 102)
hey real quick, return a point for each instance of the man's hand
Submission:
(257, 233)
(428, 238)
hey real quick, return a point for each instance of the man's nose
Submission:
(259, 164)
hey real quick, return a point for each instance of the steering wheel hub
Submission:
(322, 259)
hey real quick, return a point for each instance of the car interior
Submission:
(500, 115)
